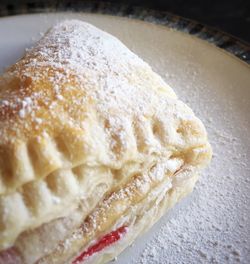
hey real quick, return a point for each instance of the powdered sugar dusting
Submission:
(81, 63)
(97, 59)
(212, 224)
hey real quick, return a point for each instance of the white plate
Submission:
(212, 225)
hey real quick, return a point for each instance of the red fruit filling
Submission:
(105, 241)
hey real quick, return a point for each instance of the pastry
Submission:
(95, 147)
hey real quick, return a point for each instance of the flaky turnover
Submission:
(94, 148)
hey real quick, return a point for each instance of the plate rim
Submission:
(219, 38)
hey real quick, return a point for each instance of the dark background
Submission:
(231, 16)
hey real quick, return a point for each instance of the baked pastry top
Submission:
(79, 110)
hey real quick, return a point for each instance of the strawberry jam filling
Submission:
(104, 242)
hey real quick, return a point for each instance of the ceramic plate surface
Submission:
(212, 225)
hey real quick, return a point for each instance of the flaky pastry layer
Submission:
(147, 216)
(137, 205)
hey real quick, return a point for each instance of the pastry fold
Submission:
(89, 135)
